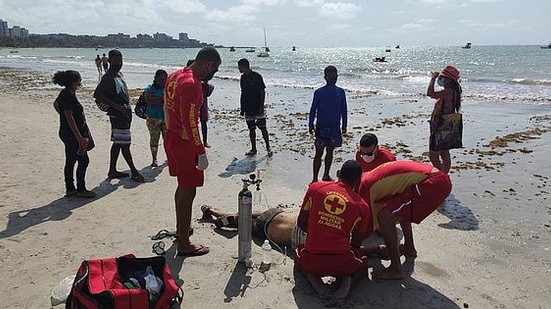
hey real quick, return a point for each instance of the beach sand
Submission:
(489, 247)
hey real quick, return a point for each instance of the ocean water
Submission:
(493, 73)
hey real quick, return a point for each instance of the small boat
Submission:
(14, 52)
(294, 49)
(250, 50)
(546, 47)
(379, 59)
(397, 47)
(266, 51)
(232, 49)
(388, 50)
(467, 46)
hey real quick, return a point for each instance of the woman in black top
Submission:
(73, 132)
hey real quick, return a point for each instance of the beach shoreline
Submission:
(488, 247)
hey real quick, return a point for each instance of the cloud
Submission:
(485, 1)
(184, 6)
(343, 10)
(309, 3)
(237, 14)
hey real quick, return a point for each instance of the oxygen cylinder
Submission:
(244, 225)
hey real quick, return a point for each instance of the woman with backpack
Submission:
(448, 101)
(154, 96)
(73, 132)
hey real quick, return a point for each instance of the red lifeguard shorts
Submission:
(335, 265)
(182, 161)
(418, 202)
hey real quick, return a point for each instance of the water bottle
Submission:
(266, 253)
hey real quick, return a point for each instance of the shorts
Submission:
(418, 202)
(335, 265)
(121, 136)
(260, 224)
(298, 236)
(328, 136)
(255, 121)
(182, 161)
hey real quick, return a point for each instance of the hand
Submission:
(343, 131)
(202, 162)
(82, 145)
(435, 75)
(311, 130)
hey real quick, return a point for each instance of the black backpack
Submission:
(141, 106)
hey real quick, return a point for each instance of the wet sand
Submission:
(489, 247)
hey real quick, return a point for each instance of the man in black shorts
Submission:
(253, 95)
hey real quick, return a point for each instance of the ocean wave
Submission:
(528, 81)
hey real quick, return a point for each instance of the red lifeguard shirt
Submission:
(333, 212)
(183, 100)
(382, 155)
(390, 179)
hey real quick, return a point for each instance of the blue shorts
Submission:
(328, 136)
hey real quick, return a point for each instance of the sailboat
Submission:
(546, 47)
(266, 51)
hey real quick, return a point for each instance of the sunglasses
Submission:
(159, 248)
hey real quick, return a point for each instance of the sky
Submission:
(301, 23)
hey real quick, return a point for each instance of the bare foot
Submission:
(388, 274)
(344, 289)
(193, 250)
(407, 251)
(317, 284)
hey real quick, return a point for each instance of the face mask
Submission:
(440, 81)
(368, 159)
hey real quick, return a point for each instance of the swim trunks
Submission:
(336, 265)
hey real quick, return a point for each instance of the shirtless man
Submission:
(403, 192)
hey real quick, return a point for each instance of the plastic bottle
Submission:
(266, 253)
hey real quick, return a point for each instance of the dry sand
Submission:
(488, 248)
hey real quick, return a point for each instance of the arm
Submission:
(313, 112)
(430, 90)
(262, 100)
(302, 220)
(72, 124)
(435, 116)
(192, 98)
(99, 94)
(242, 98)
(344, 113)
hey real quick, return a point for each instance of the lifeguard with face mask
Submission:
(370, 154)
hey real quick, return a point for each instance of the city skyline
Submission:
(307, 23)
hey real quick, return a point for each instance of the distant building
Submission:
(143, 37)
(4, 30)
(24, 33)
(162, 37)
(15, 32)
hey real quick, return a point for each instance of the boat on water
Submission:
(397, 46)
(266, 51)
(294, 49)
(379, 59)
(546, 47)
(14, 52)
(388, 50)
(467, 46)
(250, 50)
(232, 49)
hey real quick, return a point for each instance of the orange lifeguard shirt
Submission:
(183, 100)
(389, 179)
(381, 156)
(334, 211)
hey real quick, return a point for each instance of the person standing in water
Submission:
(448, 101)
(105, 63)
(98, 64)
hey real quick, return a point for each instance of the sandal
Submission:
(202, 250)
(159, 248)
(117, 175)
(163, 234)
(138, 178)
(226, 221)
(250, 153)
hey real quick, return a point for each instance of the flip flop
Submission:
(202, 250)
(159, 248)
(117, 175)
(163, 234)
(138, 178)
(250, 153)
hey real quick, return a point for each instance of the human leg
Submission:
(115, 150)
(408, 249)
(317, 162)
(71, 149)
(83, 161)
(251, 124)
(328, 162)
(434, 157)
(446, 161)
(125, 149)
(184, 201)
(204, 131)
(387, 226)
(154, 127)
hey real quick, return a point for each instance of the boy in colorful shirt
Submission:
(370, 154)
(336, 220)
(404, 192)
